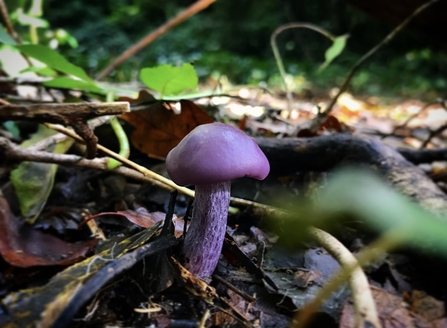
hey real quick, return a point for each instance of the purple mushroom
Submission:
(210, 156)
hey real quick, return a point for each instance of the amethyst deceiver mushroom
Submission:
(210, 156)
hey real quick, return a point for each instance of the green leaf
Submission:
(33, 181)
(42, 71)
(5, 37)
(363, 195)
(169, 80)
(53, 59)
(65, 82)
(359, 196)
(334, 51)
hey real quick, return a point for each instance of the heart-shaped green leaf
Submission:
(170, 80)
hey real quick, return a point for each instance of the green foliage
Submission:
(65, 82)
(57, 62)
(5, 38)
(54, 60)
(359, 195)
(168, 80)
(209, 40)
(334, 51)
(34, 181)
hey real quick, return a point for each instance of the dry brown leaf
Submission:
(158, 129)
(423, 311)
(26, 247)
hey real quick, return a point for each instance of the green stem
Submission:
(121, 135)
(277, 55)
(374, 251)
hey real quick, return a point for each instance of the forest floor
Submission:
(123, 268)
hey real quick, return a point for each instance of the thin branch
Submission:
(319, 119)
(383, 244)
(364, 305)
(5, 17)
(129, 163)
(181, 17)
(13, 152)
(59, 137)
(277, 55)
(64, 113)
(433, 134)
(74, 115)
(10, 29)
(408, 120)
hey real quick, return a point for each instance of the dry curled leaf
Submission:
(26, 247)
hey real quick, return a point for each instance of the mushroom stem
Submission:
(206, 233)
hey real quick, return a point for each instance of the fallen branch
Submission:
(324, 153)
(63, 113)
(420, 156)
(74, 115)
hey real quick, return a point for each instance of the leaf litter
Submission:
(280, 281)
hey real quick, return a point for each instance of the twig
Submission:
(59, 137)
(408, 120)
(75, 115)
(167, 183)
(432, 135)
(13, 152)
(365, 307)
(234, 288)
(277, 55)
(126, 161)
(7, 22)
(10, 29)
(64, 113)
(204, 318)
(375, 250)
(181, 17)
(319, 119)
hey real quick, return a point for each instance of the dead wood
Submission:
(75, 115)
(63, 114)
(325, 153)
(420, 156)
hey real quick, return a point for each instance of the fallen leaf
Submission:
(331, 124)
(24, 246)
(393, 311)
(143, 219)
(194, 284)
(158, 130)
(42, 306)
(34, 181)
(426, 306)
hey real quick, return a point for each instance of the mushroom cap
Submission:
(213, 153)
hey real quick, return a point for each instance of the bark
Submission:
(325, 153)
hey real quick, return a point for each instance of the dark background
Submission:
(232, 38)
